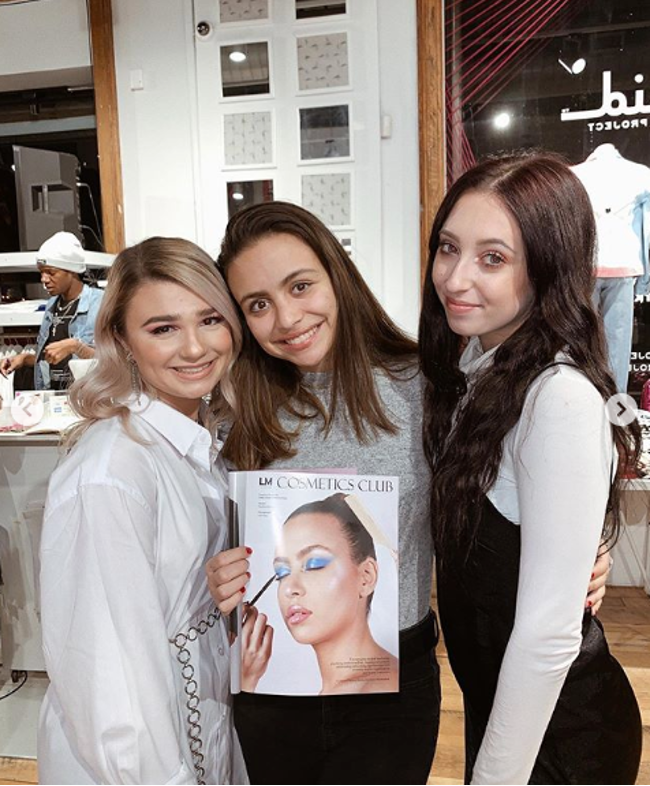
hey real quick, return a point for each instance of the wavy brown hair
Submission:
(103, 391)
(365, 339)
(554, 214)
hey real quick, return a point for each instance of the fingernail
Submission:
(248, 575)
(249, 551)
(592, 575)
(243, 590)
(589, 604)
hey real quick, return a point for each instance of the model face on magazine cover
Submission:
(180, 344)
(287, 299)
(322, 592)
(479, 270)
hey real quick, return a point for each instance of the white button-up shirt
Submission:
(136, 651)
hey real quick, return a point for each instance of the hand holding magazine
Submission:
(323, 611)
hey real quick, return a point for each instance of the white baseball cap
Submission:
(63, 250)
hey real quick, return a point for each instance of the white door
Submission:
(288, 108)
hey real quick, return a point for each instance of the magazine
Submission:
(321, 611)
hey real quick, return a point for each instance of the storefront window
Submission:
(573, 77)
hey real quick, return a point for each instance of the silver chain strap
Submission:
(184, 657)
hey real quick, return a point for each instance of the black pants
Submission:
(370, 738)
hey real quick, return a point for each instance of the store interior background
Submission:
(174, 170)
(170, 118)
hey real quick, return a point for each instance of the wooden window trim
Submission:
(100, 22)
(431, 116)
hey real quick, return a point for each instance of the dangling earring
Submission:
(136, 381)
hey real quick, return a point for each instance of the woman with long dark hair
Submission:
(526, 471)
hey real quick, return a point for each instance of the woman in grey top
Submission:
(326, 379)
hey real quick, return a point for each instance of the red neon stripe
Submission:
(513, 25)
(564, 16)
(457, 2)
(469, 55)
(465, 158)
(504, 60)
(499, 11)
(525, 21)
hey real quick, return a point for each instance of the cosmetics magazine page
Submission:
(320, 613)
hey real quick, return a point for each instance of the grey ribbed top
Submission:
(389, 454)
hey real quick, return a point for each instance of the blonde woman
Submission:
(136, 651)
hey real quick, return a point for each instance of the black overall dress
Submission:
(594, 735)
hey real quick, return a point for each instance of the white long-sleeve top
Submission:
(130, 633)
(554, 483)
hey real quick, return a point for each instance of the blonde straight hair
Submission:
(103, 391)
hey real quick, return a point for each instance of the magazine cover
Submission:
(320, 614)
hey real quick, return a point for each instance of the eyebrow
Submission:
(263, 293)
(303, 552)
(488, 241)
(204, 312)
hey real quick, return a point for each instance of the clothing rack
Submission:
(17, 343)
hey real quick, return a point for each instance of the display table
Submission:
(26, 463)
(631, 554)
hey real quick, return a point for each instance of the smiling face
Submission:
(479, 270)
(181, 344)
(322, 592)
(287, 299)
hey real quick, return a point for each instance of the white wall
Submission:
(44, 44)
(158, 124)
(400, 161)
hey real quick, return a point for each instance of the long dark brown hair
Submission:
(365, 339)
(556, 220)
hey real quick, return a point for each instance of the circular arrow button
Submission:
(27, 409)
(621, 409)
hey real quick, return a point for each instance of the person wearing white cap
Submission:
(68, 323)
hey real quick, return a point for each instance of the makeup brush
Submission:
(262, 591)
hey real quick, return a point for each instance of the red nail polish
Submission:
(249, 551)
(243, 590)
(248, 575)
(589, 604)
(592, 575)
